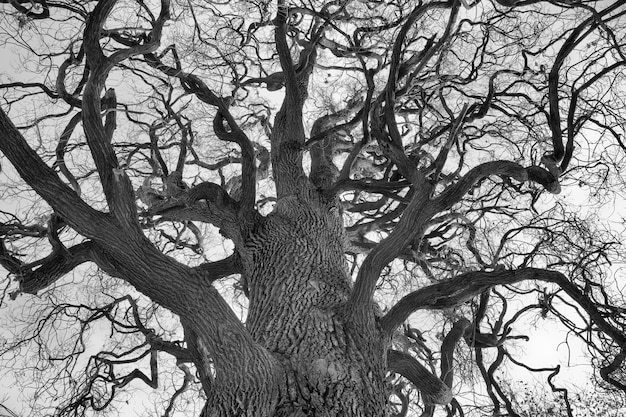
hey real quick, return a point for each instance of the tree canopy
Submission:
(309, 208)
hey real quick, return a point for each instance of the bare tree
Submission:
(357, 164)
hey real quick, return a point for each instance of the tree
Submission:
(532, 402)
(358, 162)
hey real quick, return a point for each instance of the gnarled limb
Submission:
(116, 184)
(73, 59)
(41, 274)
(325, 129)
(206, 202)
(167, 282)
(410, 226)
(454, 291)
(615, 364)
(288, 137)
(224, 124)
(397, 391)
(455, 192)
(391, 142)
(419, 211)
(60, 151)
(248, 159)
(38, 9)
(463, 287)
(447, 350)
(188, 379)
(432, 388)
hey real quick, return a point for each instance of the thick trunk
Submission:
(298, 281)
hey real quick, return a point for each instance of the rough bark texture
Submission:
(313, 343)
(297, 282)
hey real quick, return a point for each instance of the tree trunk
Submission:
(298, 281)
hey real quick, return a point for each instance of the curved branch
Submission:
(433, 389)
(568, 46)
(447, 350)
(421, 209)
(455, 193)
(410, 226)
(457, 290)
(206, 202)
(42, 273)
(44, 13)
(116, 184)
(397, 391)
(248, 160)
(395, 66)
(223, 119)
(464, 287)
(73, 59)
(60, 151)
(188, 379)
(616, 363)
(212, 193)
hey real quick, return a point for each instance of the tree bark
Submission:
(298, 282)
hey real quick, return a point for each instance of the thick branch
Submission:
(42, 273)
(577, 36)
(464, 287)
(206, 202)
(282, 47)
(457, 290)
(222, 268)
(45, 182)
(324, 140)
(134, 258)
(433, 389)
(116, 184)
(456, 192)
(410, 226)
(167, 282)
(248, 160)
(288, 137)
(447, 350)
(224, 124)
